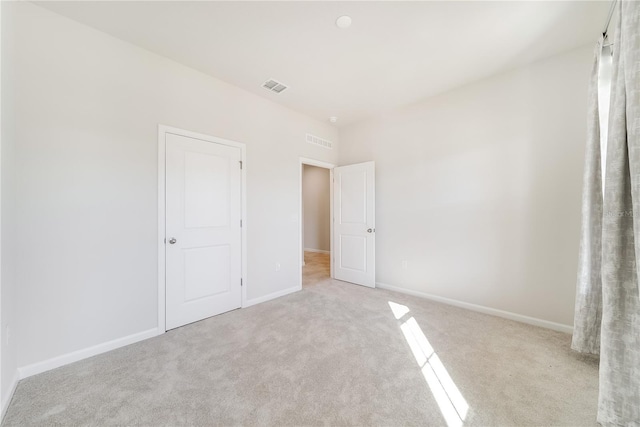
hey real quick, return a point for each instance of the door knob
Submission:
(172, 240)
(369, 230)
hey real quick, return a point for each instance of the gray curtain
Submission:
(619, 401)
(588, 313)
(618, 311)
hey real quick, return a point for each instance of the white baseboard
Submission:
(271, 296)
(319, 251)
(482, 309)
(6, 399)
(65, 359)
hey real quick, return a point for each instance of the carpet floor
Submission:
(332, 354)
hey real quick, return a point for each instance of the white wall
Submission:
(315, 196)
(8, 362)
(85, 116)
(479, 189)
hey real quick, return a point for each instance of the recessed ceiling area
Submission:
(393, 54)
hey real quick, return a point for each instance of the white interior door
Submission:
(203, 230)
(354, 227)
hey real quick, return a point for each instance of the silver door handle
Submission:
(172, 240)
(370, 230)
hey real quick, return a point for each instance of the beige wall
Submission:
(479, 189)
(315, 194)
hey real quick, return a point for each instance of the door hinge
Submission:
(241, 281)
(240, 164)
(240, 223)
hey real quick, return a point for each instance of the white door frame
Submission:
(162, 261)
(324, 165)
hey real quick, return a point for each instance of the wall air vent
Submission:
(311, 139)
(274, 86)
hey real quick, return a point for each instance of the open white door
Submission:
(203, 229)
(354, 227)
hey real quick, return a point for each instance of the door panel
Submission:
(206, 272)
(353, 195)
(353, 253)
(354, 223)
(203, 212)
(206, 190)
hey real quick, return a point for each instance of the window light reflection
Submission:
(452, 404)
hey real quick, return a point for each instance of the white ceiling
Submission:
(394, 54)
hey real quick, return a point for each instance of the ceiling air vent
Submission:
(311, 139)
(274, 86)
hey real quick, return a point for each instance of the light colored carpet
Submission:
(332, 354)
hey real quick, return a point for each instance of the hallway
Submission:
(317, 269)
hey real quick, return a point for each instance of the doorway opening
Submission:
(316, 225)
(352, 253)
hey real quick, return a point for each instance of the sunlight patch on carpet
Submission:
(452, 404)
